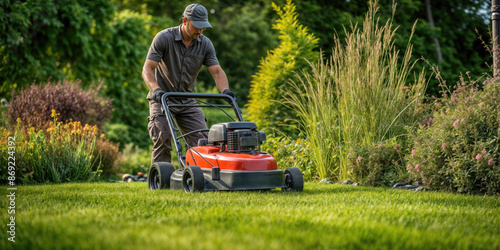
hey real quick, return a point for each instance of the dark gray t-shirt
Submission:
(178, 67)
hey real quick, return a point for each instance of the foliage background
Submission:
(94, 42)
(108, 41)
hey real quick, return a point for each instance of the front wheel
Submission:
(293, 180)
(159, 175)
(193, 180)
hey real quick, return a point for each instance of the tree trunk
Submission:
(430, 19)
(495, 20)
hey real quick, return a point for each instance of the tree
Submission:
(77, 39)
(454, 29)
(265, 106)
(45, 39)
(243, 37)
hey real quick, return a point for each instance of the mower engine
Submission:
(239, 137)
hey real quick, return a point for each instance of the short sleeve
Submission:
(158, 47)
(210, 57)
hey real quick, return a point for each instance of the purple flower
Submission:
(491, 161)
(455, 124)
(443, 146)
(478, 157)
(417, 167)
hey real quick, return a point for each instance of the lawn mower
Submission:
(229, 159)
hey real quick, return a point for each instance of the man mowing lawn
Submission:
(172, 65)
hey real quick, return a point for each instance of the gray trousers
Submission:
(187, 118)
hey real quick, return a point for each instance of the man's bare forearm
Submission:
(220, 77)
(149, 76)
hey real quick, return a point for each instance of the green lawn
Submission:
(130, 216)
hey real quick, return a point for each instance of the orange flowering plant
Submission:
(63, 152)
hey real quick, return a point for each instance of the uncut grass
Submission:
(128, 215)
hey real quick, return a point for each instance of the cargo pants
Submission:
(187, 118)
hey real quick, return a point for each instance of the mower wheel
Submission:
(193, 179)
(293, 180)
(159, 175)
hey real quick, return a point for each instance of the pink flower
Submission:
(359, 159)
(398, 147)
(409, 167)
(413, 152)
(491, 161)
(443, 146)
(417, 167)
(484, 151)
(430, 121)
(478, 157)
(455, 124)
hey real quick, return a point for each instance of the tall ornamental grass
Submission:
(360, 96)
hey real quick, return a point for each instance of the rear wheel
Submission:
(193, 180)
(293, 180)
(159, 175)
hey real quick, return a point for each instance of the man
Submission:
(173, 62)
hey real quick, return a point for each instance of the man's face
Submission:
(192, 31)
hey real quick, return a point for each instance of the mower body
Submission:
(229, 159)
(233, 171)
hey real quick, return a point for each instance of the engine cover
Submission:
(239, 137)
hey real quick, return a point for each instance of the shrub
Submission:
(61, 153)
(357, 98)
(460, 150)
(133, 159)
(291, 153)
(119, 133)
(380, 164)
(106, 153)
(265, 106)
(34, 104)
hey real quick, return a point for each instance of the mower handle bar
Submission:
(182, 95)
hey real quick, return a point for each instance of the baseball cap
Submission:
(198, 14)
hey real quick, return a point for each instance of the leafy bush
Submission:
(459, 151)
(381, 164)
(79, 39)
(291, 153)
(248, 22)
(265, 106)
(357, 98)
(50, 39)
(107, 154)
(34, 104)
(133, 159)
(61, 153)
(118, 133)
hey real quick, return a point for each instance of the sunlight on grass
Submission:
(129, 216)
